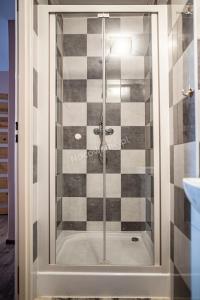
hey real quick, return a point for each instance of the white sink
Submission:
(192, 191)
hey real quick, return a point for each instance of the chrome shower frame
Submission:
(101, 280)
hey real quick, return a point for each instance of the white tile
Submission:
(114, 141)
(74, 67)
(94, 185)
(74, 209)
(132, 114)
(131, 24)
(74, 25)
(132, 161)
(178, 164)
(94, 226)
(74, 114)
(113, 91)
(132, 67)
(74, 161)
(113, 226)
(133, 209)
(93, 140)
(94, 90)
(190, 164)
(113, 185)
(94, 45)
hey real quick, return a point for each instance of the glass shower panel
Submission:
(129, 153)
(104, 139)
(81, 168)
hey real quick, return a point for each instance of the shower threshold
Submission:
(85, 248)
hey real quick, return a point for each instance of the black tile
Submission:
(188, 30)
(133, 226)
(58, 212)
(113, 114)
(94, 68)
(113, 161)
(59, 83)
(135, 137)
(113, 68)
(74, 45)
(133, 185)
(59, 185)
(74, 90)
(59, 111)
(113, 209)
(94, 113)
(132, 90)
(35, 17)
(175, 124)
(35, 88)
(69, 141)
(94, 164)
(94, 209)
(182, 212)
(188, 119)
(148, 213)
(59, 136)
(172, 164)
(172, 241)
(112, 25)
(181, 290)
(149, 186)
(73, 225)
(149, 136)
(147, 111)
(59, 65)
(35, 163)
(35, 241)
(59, 161)
(74, 185)
(94, 26)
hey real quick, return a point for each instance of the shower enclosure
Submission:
(103, 79)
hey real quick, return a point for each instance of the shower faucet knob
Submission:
(108, 131)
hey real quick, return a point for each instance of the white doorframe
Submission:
(58, 274)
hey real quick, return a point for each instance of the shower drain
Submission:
(135, 239)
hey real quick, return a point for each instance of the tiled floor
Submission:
(6, 263)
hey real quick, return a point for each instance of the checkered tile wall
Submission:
(126, 177)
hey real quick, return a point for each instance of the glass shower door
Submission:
(105, 141)
(129, 140)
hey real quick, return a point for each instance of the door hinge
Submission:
(16, 138)
(103, 15)
(16, 126)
